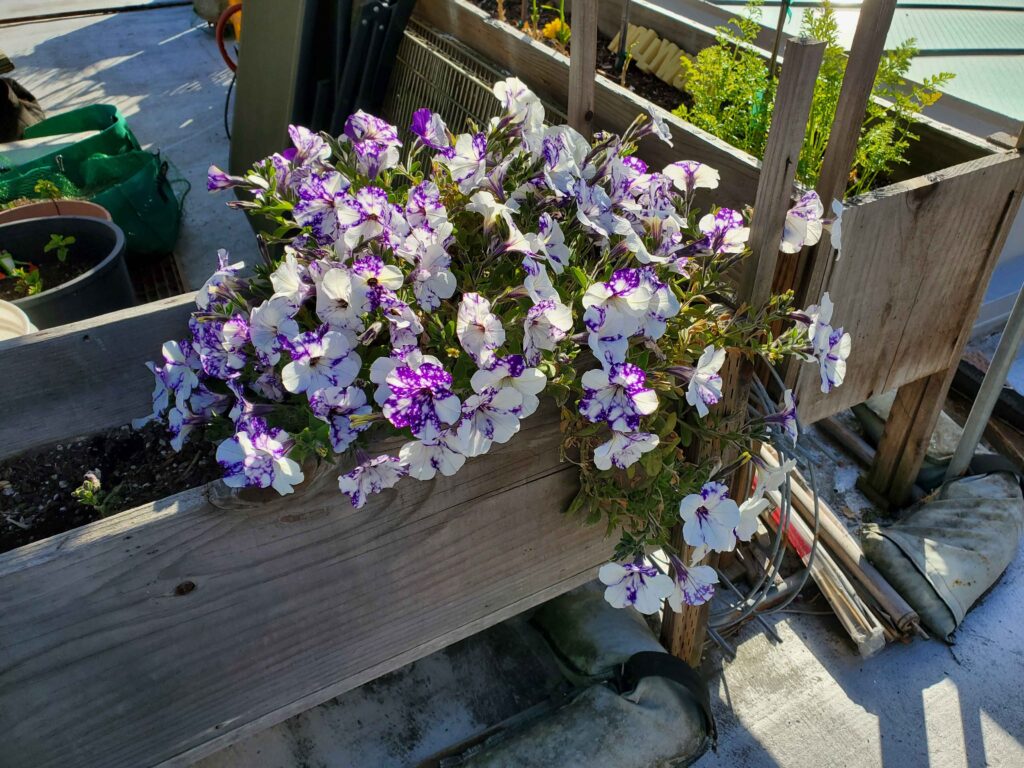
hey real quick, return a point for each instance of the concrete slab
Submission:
(162, 69)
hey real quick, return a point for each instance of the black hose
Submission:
(373, 58)
(355, 62)
(401, 11)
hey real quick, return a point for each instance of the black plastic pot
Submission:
(105, 287)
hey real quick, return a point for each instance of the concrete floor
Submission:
(162, 69)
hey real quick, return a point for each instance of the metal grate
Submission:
(438, 72)
(154, 277)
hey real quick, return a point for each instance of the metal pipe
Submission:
(989, 391)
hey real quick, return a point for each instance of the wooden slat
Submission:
(583, 66)
(915, 263)
(547, 73)
(781, 155)
(162, 634)
(84, 377)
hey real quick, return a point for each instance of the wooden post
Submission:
(582, 66)
(683, 633)
(808, 273)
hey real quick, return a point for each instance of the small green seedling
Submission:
(91, 493)
(60, 245)
(25, 274)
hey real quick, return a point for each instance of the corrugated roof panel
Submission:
(992, 82)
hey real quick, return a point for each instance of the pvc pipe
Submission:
(989, 391)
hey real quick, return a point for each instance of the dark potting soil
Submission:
(642, 84)
(52, 271)
(134, 467)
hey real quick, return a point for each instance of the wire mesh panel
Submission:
(438, 72)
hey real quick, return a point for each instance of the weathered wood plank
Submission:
(778, 172)
(583, 66)
(161, 634)
(547, 73)
(915, 262)
(84, 377)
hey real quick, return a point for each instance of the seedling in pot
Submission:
(60, 245)
(27, 280)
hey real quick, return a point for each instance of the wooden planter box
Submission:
(917, 254)
(161, 634)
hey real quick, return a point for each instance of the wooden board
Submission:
(162, 634)
(547, 73)
(915, 263)
(84, 377)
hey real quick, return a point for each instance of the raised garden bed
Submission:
(160, 634)
(921, 249)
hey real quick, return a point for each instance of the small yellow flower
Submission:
(553, 29)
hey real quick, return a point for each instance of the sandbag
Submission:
(872, 416)
(951, 548)
(646, 710)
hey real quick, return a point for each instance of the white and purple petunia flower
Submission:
(624, 449)
(216, 180)
(616, 308)
(692, 585)
(662, 307)
(724, 231)
(785, 418)
(372, 476)
(547, 323)
(220, 343)
(257, 457)
(271, 324)
(480, 332)
(374, 278)
(803, 223)
(337, 406)
(420, 398)
(831, 348)
(522, 107)
(705, 386)
(223, 286)
(634, 584)
(489, 417)
(619, 396)
(432, 131)
(424, 208)
(769, 479)
(326, 207)
(709, 519)
(320, 359)
(512, 371)
(815, 317)
(291, 279)
(341, 301)
(425, 458)
(690, 175)
(374, 141)
(467, 164)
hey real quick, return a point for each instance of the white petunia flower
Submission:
(624, 449)
(634, 584)
(709, 518)
(511, 371)
(691, 585)
(341, 301)
(486, 205)
(425, 459)
(480, 332)
(768, 480)
(831, 347)
(489, 417)
(689, 175)
(291, 279)
(705, 387)
(256, 457)
(433, 282)
(270, 324)
(547, 323)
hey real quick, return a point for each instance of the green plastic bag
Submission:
(113, 138)
(108, 168)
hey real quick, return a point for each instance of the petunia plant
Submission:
(441, 296)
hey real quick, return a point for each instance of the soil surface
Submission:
(51, 270)
(134, 467)
(641, 83)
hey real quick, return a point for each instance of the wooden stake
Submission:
(778, 170)
(683, 633)
(582, 66)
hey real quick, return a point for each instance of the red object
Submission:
(222, 22)
(799, 544)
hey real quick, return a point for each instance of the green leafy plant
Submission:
(61, 245)
(91, 493)
(27, 280)
(733, 97)
(46, 188)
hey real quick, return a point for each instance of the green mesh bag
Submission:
(108, 168)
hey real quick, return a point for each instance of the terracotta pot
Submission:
(39, 209)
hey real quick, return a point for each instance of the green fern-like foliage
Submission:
(732, 97)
